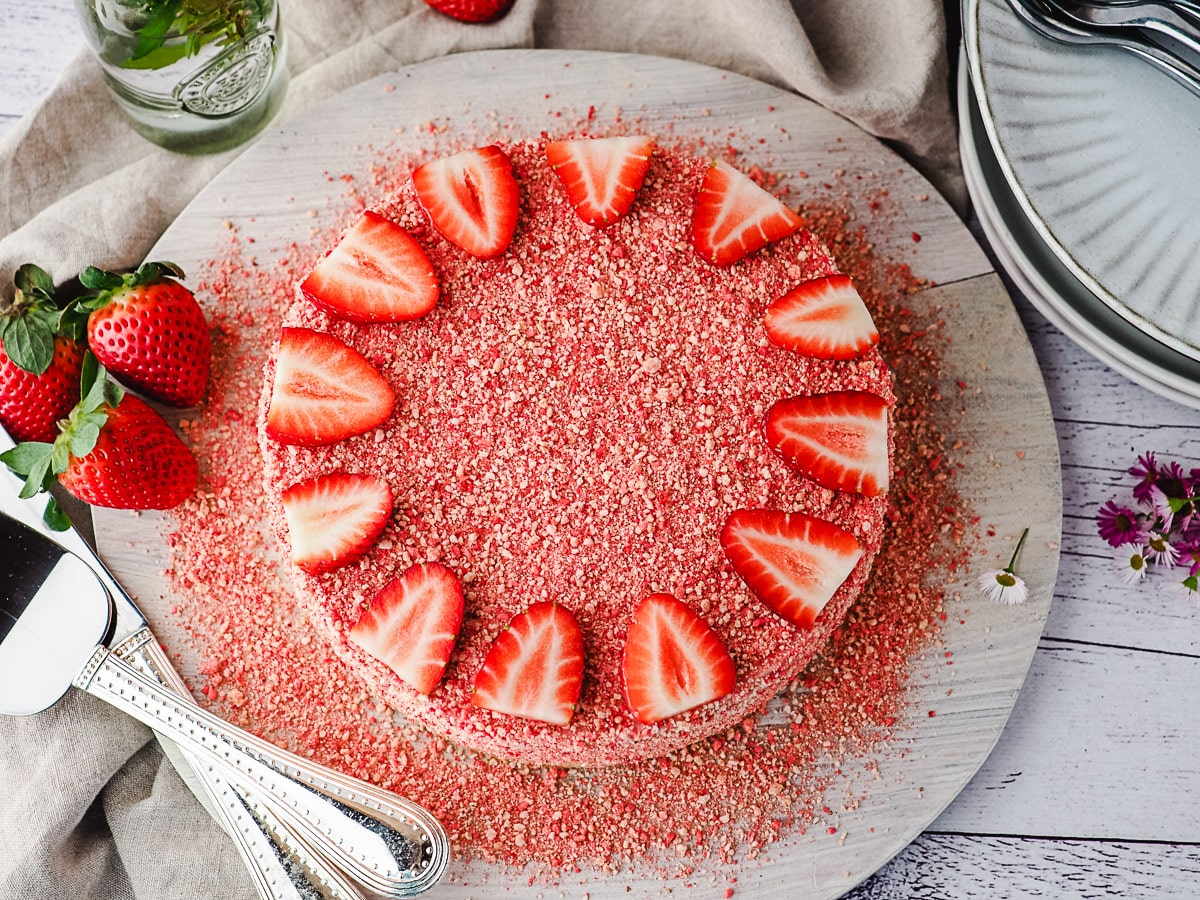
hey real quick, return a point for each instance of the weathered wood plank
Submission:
(952, 866)
(36, 40)
(1101, 744)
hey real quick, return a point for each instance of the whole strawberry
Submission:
(472, 10)
(39, 365)
(149, 331)
(114, 450)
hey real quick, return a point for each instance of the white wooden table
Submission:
(1092, 789)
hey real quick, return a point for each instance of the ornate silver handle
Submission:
(396, 819)
(280, 867)
(392, 872)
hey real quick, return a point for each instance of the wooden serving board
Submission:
(281, 189)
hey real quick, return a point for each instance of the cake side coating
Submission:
(575, 421)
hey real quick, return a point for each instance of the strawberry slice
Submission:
(472, 199)
(839, 440)
(325, 391)
(411, 624)
(733, 216)
(333, 519)
(377, 273)
(535, 667)
(792, 562)
(673, 661)
(602, 175)
(824, 318)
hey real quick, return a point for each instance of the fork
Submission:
(1046, 18)
(1178, 24)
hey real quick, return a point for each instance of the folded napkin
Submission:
(91, 808)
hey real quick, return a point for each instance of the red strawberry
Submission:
(412, 623)
(40, 365)
(602, 176)
(733, 216)
(824, 318)
(113, 450)
(377, 273)
(334, 519)
(472, 199)
(792, 562)
(535, 667)
(673, 661)
(32, 405)
(324, 391)
(472, 10)
(148, 330)
(839, 440)
(138, 462)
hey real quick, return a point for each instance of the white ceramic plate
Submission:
(1099, 150)
(1049, 285)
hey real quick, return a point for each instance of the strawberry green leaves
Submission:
(41, 463)
(29, 323)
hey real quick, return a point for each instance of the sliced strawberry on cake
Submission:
(324, 391)
(673, 661)
(839, 440)
(824, 318)
(334, 519)
(794, 563)
(601, 175)
(376, 273)
(534, 669)
(412, 623)
(733, 216)
(472, 198)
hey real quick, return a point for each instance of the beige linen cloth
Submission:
(89, 808)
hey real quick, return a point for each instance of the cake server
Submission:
(55, 617)
(413, 834)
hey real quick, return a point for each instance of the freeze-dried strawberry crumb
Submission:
(720, 801)
(606, 413)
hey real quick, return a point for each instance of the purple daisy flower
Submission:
(1172, 480)
(1158, 505)
(1120, 525)
(1146, 473)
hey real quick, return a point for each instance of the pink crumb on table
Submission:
(725, 799)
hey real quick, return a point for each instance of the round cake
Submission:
(570, 457)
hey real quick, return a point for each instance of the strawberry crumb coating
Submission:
(575, 420)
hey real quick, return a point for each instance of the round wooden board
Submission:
(1010, 476)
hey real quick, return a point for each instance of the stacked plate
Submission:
(1081, 162)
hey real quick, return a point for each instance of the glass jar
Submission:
(194, 76)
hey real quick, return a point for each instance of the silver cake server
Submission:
(416, 841)
(55, 619)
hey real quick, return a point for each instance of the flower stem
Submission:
(1020, 543)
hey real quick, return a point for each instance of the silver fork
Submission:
(1051, 21)
(1179, 25)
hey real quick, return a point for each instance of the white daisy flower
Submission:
(1133, 569)
(1188, 589)
(1160, 550)
(1004, 585)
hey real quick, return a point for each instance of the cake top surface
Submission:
(574, 422)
